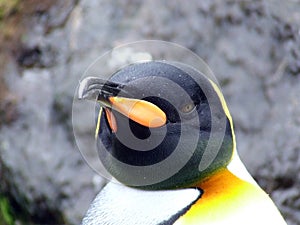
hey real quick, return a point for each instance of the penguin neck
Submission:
(234, 177)
(222, 183)
(229, 177)
(223, 193)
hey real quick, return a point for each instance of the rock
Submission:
(252, 47)
(44, 161)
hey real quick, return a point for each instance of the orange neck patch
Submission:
(223, 194)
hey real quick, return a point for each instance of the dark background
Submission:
(253, 47)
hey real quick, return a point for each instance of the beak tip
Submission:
(81, 95)
(84, 89)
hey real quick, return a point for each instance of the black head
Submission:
(192, 139)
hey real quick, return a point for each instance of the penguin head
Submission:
(160, 125)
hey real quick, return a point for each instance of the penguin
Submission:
(165, 134)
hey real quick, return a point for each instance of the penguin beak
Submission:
(105, 93)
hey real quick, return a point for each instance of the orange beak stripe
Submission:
(140, 111)
(111, 120)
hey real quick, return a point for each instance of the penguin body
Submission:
(167, 136)
(119, 204)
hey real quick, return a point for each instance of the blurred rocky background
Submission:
(252, 46)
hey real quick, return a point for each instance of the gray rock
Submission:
(252, 47)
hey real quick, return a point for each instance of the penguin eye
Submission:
(187, 108)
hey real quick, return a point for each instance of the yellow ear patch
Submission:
(140, 111)
(226, 110)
